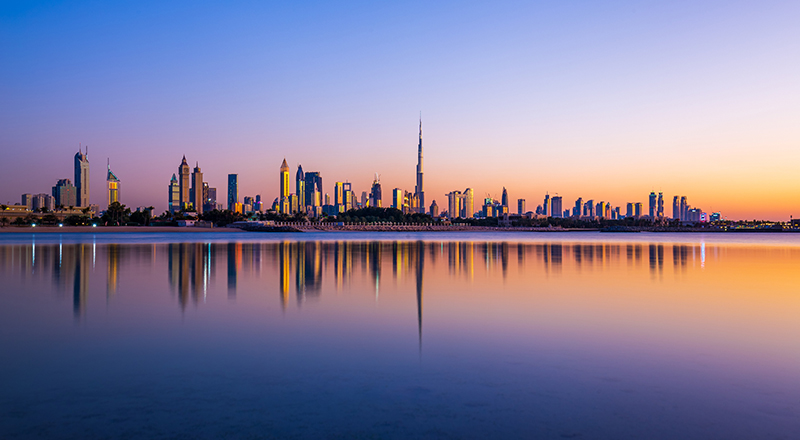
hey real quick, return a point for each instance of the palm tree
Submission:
(4, 221)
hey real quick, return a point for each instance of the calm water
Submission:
(358, 335)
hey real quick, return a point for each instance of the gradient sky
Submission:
(600, 100)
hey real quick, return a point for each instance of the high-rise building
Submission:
(599, 210)
(467, 206)
(556, 208)
(375, 197)
(504, 199)
(65, 194)
(196, 192)
(660, 212)
(652, 200)
(209, 198)
(174, 194)
(676, 208)
(637, 209)
(183, 182)
(521, 206)
(283, 196)
(300, 188)
(684, 208)
(347, 193)
(454, 204)
(546, 205)
(629, 210)
(27, 201)
(419, 192)
(577, 210)
(113, 187)
(313, 188)
(588, 208)
(233, 191)
(434, 212)
(338, 197)
(397, 198)
(82, 178)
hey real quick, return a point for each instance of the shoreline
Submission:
(349, 228)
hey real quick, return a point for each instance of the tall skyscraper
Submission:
(578, 209)
(434, 209)
(637, 209)
(174, 194)
(676, 209)
(684, 208)
(313, 188)
(397, 198)
(347, 192)
(197, 189)
(556, 209)
(454, 200)
(283, 197)
(521, 206)
(82, 178)
(375, 196)
(588, 208)
(629, 210)
(419, 193)
(504, 199)
(233, 191)
(113, 187)
(468, 205)
(183, 182)
(660, 212)
(65, 194)
(338, 197)
(300, 188)
(546, 205)
(652, 200)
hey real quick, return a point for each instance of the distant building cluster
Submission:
(68, 197)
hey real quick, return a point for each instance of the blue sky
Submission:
(603, 100)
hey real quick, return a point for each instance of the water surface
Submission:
(343, 335)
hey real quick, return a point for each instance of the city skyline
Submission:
(599, 101)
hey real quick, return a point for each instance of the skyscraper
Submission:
(504, 200)
(419, 193)
(233, 191)
(197, 189)
(183, 182)
(283, 197)
(660, 212)
(174, 194)
(577, 210)
(468, 205)
(313, 187)
(546, 205)
(556, 208)
(347, 192)
(300, 188)
(434, 209)
(676, 209)
(65, 193)
(338, 196)
(397, 198)
(684, 208)
(113, 187)
(82, 178)
(652, 200)
(521, 206)
(375, 196)
(629, 210)
(454, 200)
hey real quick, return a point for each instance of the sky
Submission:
(599, 100)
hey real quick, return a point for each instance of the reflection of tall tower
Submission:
(284, 271)
(234, 262)
(419, 193)
(113, 269)
(420, 263)
(83, 261)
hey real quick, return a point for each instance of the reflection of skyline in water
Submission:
(302, 267)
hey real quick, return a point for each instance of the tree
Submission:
(116, 213)
(4, 222)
